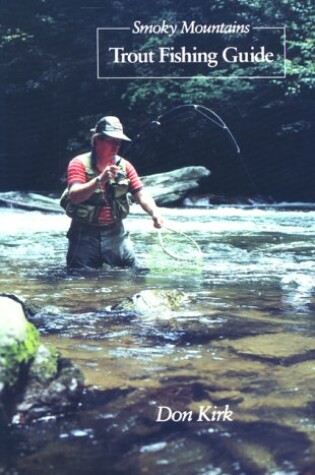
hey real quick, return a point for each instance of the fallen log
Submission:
(166, 188)
(30, 202)
(170, 187)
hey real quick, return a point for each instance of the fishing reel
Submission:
(120, 176)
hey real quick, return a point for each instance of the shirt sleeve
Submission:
(76, 172)
(135, 181)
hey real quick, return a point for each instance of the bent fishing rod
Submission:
(208, 114)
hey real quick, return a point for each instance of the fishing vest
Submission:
(116, 196)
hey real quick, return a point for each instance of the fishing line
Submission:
(220, 123)
(180, 111)
(184, 111)
(223, 125)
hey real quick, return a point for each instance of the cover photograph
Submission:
(157, 282)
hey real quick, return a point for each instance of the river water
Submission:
(241, 342)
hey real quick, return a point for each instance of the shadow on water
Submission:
(234, 362)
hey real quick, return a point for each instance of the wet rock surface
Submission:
(273, 348)
(256, 282)
(119, 429)
(34, 380)
(18, 340)
(168, 334)
(153, 301)
(118, 426)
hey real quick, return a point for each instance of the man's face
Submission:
(108, 145)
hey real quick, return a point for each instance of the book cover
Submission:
(204, 365)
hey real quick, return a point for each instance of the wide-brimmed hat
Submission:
(110, 126)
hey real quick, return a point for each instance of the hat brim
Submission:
(117, 135)
(114, 135)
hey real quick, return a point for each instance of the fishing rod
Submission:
(208, 114)
(205, 112)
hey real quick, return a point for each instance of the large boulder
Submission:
(34, 380)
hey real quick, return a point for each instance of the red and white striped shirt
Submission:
(76, 174)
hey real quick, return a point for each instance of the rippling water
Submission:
(242, 340)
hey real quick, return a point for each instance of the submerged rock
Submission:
(34, 380)
(274, 347)
(152, 301)
(54, 387)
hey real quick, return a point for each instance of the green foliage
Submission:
(48, 74)
(297, 17)
(48, 37)
(14, 37)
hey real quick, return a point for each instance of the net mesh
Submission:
(179, 245)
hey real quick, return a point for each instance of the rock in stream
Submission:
(35, 381)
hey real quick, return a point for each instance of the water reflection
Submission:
(243, 339)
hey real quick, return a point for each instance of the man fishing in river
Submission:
(97, 200)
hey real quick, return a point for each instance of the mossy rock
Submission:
(34, 380)
(45, 365)
(19, 341)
